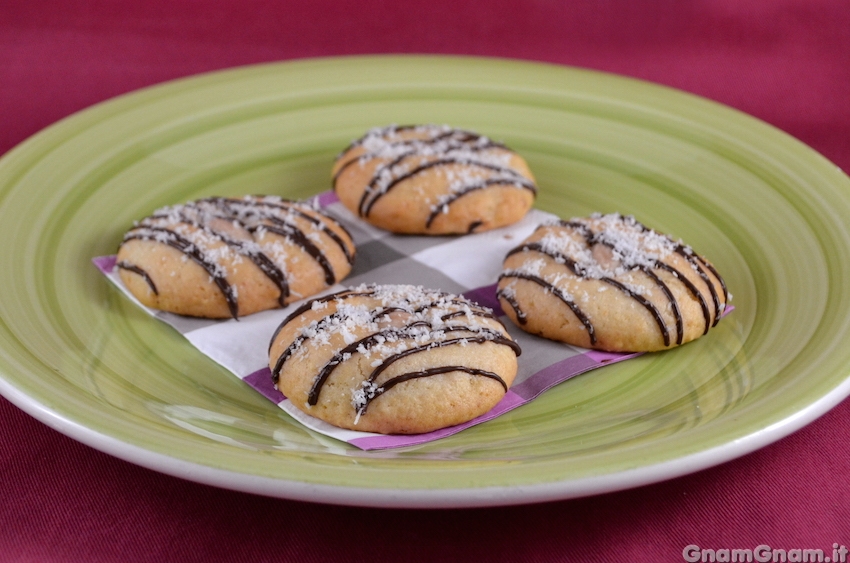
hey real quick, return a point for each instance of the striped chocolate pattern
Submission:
(409, 324)
(407, 152)
(648, 262)
(191, 227)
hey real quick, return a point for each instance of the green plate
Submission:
(768, 211)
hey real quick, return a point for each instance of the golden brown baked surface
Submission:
(610, 283)
(394, 359)
(228, 257)
(429, 179)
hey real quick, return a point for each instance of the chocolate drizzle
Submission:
(174, 240)
(376, 189)
(629, 260)
(582, 317)
(451, 198)
(137, 270)
(697, 264)
(297, 237)
(198, 228)
(293, 208)
(403, 153)
(393, 381)
(308, 305)
(399, 329)
(390, 383)
(456, 138)
(579, 272)
(395, 334)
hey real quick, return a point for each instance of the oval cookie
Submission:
(394, 359)
(228, 257)
(610, 283)
(429, 179)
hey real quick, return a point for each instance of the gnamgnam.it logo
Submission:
(764, 554)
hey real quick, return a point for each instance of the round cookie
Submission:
(393, 359)
(434, 180)
(608, 282)
(229, 257)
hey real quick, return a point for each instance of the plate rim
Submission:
(424, 498)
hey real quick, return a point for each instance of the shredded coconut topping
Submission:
(608, 246)
(429, 141)
(221, 233)
(224, 229)
(384, 322)
(466, 161)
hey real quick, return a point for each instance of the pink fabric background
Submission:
(784, 61)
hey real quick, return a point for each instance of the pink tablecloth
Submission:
(784, 61)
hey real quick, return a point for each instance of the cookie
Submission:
(434, 180)
(393, 359)
(610, 283)
(229, 257)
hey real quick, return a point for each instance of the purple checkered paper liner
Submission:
(466, 265)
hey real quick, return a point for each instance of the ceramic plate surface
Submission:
(768, 211)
